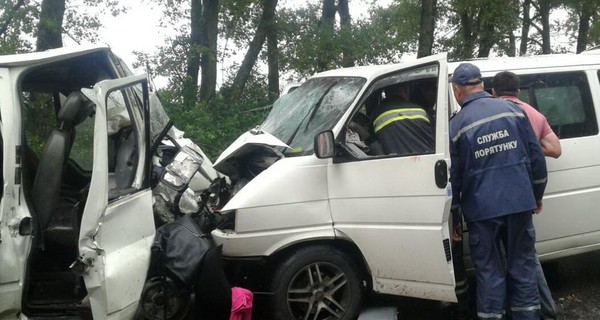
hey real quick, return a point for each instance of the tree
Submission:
(582, 14)
(190, 85)
(544, 7)
(16, 23)
(345, 33)
(210, 20)
(525, 27)
(241, 77)
(273, 58)
(49, 33)
(326, 34)
(428, 19)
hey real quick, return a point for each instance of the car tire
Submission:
(316, 282)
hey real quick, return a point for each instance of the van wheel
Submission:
(316, 282)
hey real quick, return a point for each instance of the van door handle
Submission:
(441, 173)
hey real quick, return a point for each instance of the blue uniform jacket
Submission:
(498, 167)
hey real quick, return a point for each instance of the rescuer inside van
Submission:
(401, 126)
(506, 86)
(498, 177)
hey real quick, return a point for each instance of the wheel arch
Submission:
(344, 245)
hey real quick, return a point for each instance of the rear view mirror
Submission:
(324, 145)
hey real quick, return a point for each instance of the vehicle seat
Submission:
(46, 189)
(122, 164)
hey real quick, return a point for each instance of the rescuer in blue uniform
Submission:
(498, 177)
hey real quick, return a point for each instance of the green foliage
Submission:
(388, 33)
(575, 9)
(17, 23)
(214, 125)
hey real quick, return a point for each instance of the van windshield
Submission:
(316, 106)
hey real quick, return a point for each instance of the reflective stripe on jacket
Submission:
(403, 128)
(399, 115)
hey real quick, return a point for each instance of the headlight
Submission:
(226, 220)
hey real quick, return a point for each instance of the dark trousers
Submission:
(548, 310)
(503, 252)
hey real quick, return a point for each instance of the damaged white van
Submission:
(78, 133)
(324, 213)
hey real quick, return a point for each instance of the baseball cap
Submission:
(466, 74)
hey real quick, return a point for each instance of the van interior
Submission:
(57, 158)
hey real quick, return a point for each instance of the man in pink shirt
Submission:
(506, 86)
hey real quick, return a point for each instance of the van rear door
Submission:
(117, 227)
(393, 208)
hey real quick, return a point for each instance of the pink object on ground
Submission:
(241, 304)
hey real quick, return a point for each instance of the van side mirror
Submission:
(182, 168)
(324, 145)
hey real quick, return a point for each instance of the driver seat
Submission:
(57, 225)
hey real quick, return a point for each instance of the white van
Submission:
(325, 215)
(76, 218)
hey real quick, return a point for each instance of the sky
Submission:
(138, 29)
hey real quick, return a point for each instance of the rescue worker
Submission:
(401, 126)
(498, 177)
(506, 86)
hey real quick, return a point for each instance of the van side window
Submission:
(397, 116)
(123, 153)
(82, 148)
(565, 99)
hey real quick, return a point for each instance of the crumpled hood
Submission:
(246, 143)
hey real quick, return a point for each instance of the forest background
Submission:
(224, 61)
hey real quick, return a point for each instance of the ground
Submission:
(574, 282)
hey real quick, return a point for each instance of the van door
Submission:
(117, 227)
(396, 207)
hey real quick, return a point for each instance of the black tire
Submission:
(163, 299)
(333, 293)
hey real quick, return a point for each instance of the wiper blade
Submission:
(311, 113)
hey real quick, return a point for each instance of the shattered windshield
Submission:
(316, 106)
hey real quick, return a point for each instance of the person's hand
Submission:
(538, 210)
(457, 233)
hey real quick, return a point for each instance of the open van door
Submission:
(396, 207)
(117, 228)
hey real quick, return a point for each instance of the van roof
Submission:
(497, 64)
(368, 72)
(25, 59)
(487, 65)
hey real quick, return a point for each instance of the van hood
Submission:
(246, 144)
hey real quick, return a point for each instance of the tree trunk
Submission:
(239, 83)
(273, 60)
(465, 51)
(49, 33)
(525, 28)
(190, 86)
(346, 33)
(486, 38)
(326, 32)
(545, 7)
(512, 45)
(210, 27)
(587, 10)
(428, 17)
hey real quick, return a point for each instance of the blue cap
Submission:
(466, 74)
